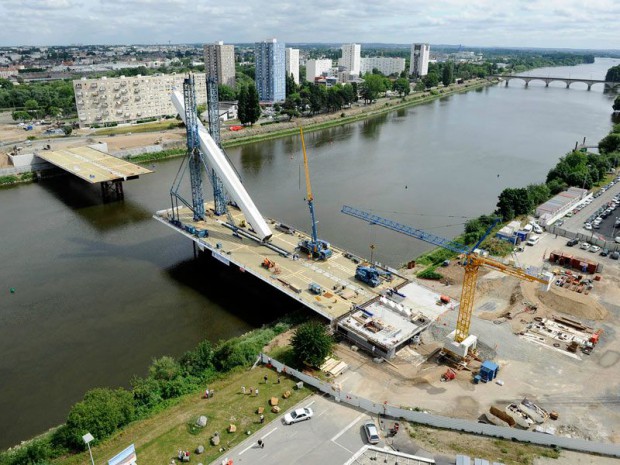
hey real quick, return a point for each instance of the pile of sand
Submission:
(560, 300)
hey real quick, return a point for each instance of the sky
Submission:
(485, 23)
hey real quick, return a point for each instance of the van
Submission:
(533, 240)
(528, 228)
(537, 229)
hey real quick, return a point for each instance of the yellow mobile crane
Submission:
(460, 339)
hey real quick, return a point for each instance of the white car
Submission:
(585, 245)
(300, 414)
(594, 249)
(587, 226)
(372, 434)
(617, 239)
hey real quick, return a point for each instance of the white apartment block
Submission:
(292, 63)
(351, 57)
(220, 62)
(420, 54)
(316, 68)
(126, 99)
(386, 66)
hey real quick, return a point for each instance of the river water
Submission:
(102, 289)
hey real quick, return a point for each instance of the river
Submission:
(102, 289)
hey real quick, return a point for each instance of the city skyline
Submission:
(478, 23)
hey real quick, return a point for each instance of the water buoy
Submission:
(12, 290)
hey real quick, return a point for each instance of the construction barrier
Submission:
(437, 421)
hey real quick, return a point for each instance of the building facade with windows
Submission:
(420, 54)
(292, 63)
(386, 66)
(270, 76)
(129, 99)
(350, 59)
(316, 68)
(220, 63)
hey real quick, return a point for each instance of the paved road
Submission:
(332, 436)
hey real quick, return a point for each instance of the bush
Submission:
(197, 361)
(430, 273)
(242, 351)
(165, 368)
(8, 179)
(101, 413)
(312, 343)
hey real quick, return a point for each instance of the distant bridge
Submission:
(568, 81)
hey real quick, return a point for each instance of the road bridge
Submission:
(95, 167)
(608, 85)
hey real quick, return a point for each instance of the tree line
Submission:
(37, 100)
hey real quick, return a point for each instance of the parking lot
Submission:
(607, 229)
(332, 435)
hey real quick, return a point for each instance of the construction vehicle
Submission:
(460, 342)
(314, 247)
(371, 275)
(315, 288)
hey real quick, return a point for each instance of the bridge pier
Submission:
(527, 84)
(112, 190)
(506, 85)
(568, 85)
(589, 86)
(546, 84)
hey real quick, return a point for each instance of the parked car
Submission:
(372, 434)
(572, 242)
(617, 239)
(533, 240)
(301, 414)
(594, 249)
(614, 255)
(559, 222)
(585, 246)
(604, 252)
(587, 226)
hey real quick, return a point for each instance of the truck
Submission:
(371, 275)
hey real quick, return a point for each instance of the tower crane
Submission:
(460, 341)
(314, 247)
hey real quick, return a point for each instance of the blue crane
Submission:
(315, 247)
(471, 260)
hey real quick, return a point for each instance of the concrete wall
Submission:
(455, 424)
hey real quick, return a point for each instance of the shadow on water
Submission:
(240, 293)
(253, 156)
(85, 199)
(371, 128)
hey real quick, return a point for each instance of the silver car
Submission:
(300, 414)
(372, 433)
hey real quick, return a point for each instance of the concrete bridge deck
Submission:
(291, 276)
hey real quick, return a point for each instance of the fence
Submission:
(333, 389)
(585, 237)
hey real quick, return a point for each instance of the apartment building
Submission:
(420, 54)
(351, 58)
(292, 63)
(316, 68)
(270, 62)
(128, 99)
(386, 66)
(220, 62)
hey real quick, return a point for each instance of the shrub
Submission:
(196, 361)
(165, 368)
(101, 412)
(430, 273)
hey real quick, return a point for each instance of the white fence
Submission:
(333, 389)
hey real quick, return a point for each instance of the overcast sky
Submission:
(515, 23)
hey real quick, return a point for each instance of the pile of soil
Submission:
(564, 301)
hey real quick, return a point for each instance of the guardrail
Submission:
(437, 421)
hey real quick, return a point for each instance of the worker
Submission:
(262, 419)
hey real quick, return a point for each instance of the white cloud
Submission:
(532, 23)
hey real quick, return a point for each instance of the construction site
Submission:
(523, 342)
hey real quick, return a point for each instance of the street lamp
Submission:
(87, 438)
(585, 177)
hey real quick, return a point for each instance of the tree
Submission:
(538, 193)
(373, 85)
(616, 105)
(253, 110)
(447, 76)
(420, 86)
(67, 130)
(199, 360)
(513, 202)
(610, 143)
(613, 74)
(165, 368)
(317, 97)
(101, 413)
(242, 105)
(401, 85)
(431, 80)
(311, 343)
(291, 87)
(226, 93)
(5, 84)
(21, 115)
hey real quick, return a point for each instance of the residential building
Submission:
(420, 54)
(351, 58)
(127, 99)
(9, 71)
(386, 66)
(220, 62)
(316, 68)
(292, 63)
(270, 62)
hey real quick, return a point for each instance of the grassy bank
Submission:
(134, 129)
(13, 179)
